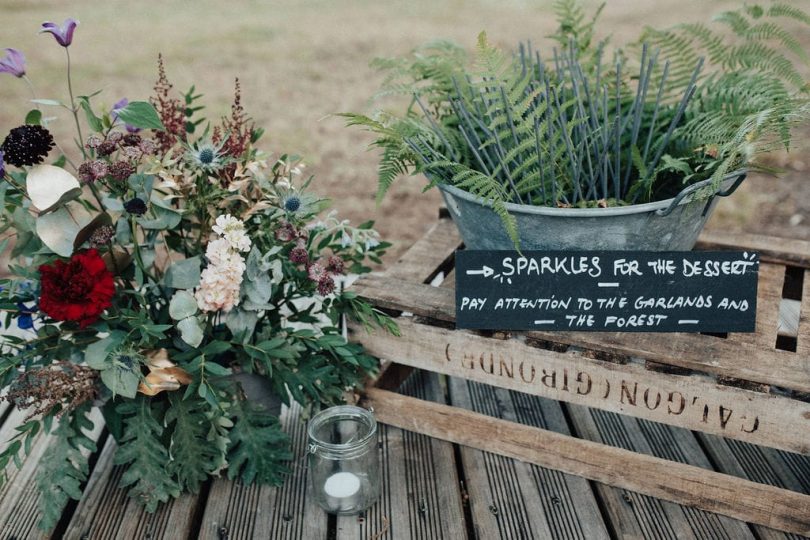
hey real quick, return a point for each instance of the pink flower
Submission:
(316, 271)
(63, 34)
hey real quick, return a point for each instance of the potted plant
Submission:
(586, 149)
(154, 273)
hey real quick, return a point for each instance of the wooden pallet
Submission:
(752, 388)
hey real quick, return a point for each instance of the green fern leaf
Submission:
(147, 477)
(195, 449)
(259, 448)
(64, 467)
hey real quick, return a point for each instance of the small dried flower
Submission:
(102, 236)
(106, 148)
(94, 141)
(135, 206)
(27, 145)
(326, 286)
(63, 384)
(316, 271)
(121, 170)
(90, 171)
(131, 139)
(115, 136)
(148, 147)
(299, 255)
(286, 232)
(132, 152)
(336, 265)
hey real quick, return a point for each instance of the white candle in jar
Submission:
(341, 485)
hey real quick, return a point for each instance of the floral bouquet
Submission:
(151, 277)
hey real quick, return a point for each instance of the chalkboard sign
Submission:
(607, 291)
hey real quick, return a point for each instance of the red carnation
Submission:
(78, 290)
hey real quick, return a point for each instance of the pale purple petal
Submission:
(13, 63)
(120, 104)
(63, 34)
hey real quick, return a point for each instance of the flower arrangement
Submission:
(145, 277)
(587, 127)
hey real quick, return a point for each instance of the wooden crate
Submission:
(750, 387)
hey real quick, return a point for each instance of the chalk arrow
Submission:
(486, 271)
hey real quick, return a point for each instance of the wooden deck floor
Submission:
(431, 488)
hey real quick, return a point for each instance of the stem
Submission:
(73, 107)
(31, 88)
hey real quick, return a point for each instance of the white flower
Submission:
(233, 230)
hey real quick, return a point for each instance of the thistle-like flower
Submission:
(206, 156)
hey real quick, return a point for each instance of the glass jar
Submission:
(344, 467)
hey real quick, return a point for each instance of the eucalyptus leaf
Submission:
(46, 184)
(241, 323)
(59, 229)
(121, 381)
(141, 114)
(182, 305)
(190, 331)
(96, 354)
(183, 274)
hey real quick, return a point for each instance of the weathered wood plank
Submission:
(677, 482)
(236, 511)
(769, 298)
(803, 339)
(692, 402)
(692, 351)
(789, 311)
(636, 515)
(763, 465)
(514, 499)
(424, 257)
(421, 495)
(771, 248)
(107, 511)
(19, 503)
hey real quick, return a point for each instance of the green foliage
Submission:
(258, 446)
(64, 467)
(578, 129)
(147, 476)
(197, 446)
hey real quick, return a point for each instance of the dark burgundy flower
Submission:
(326, 286)
(2, 164)
(90, 171)
(105, 148)
(121, 170)
(299, 255)
(78, 290)
(102, 236)
(135, 206)
(131, 139)
(286, 232)
(336, 265)
(63, 34)
(27, 145)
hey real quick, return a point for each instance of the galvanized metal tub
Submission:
(669, 225)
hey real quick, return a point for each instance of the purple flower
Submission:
(120, 104)
(13, 62)
(63, 34)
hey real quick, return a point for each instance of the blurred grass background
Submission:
(301, 60)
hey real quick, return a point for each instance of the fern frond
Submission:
(64, 466)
